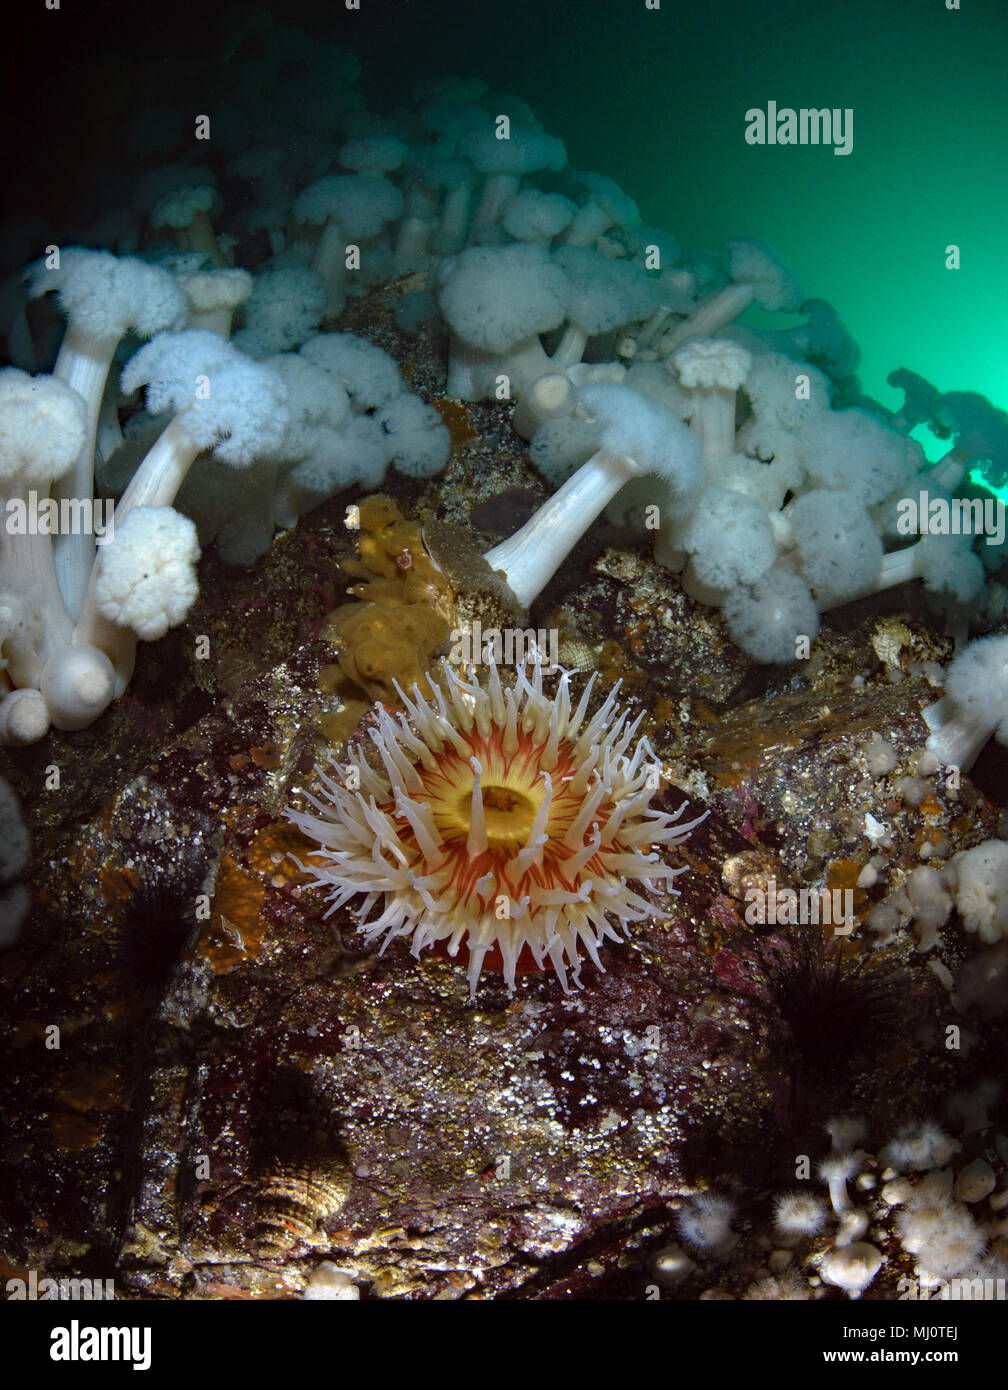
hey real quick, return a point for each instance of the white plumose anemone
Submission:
(503, 818)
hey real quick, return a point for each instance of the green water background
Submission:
(657, 100)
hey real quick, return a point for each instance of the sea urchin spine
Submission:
(503, 817)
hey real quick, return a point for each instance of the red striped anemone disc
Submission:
(501, 820)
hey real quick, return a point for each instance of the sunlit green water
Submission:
(657, 99)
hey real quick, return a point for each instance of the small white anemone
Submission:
(705, 1223)
(942, 1234)
(852, 1267)
(798, 1214)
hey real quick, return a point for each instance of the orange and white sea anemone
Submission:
(503, 819)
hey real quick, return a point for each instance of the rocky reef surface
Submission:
(211, 1088)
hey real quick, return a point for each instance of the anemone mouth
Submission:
(508, 813)
(504, 796)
